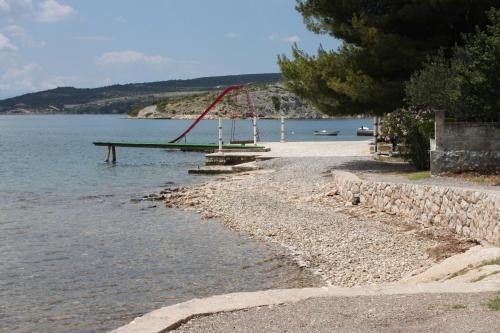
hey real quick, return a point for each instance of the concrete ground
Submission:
(312, 149)
(318, 148)
(383, 313)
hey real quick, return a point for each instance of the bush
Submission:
(276, 102)
(413, 128)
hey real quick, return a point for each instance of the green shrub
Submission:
(413, 128)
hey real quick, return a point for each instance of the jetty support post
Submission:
(220, 134)
(108, 152)
(254, 129)
(113, 154)
(282, 131)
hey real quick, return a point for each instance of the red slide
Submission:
(200, 117)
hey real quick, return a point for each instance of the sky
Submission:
(45, 44)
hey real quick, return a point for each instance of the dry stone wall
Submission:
(471, 213)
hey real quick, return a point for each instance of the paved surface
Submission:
(387, 313)
(317, 149)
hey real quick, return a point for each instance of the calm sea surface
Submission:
(80, 253)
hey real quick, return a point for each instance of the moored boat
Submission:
(326, 133)
(364, 131)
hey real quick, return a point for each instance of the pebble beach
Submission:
(291, 202)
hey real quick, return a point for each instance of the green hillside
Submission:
(120, 98)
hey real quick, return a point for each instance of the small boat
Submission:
(364, 131)
(326, 133)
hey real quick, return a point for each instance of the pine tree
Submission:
(384, 42)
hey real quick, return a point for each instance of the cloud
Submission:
(233, 35)
(291, 39)
(21, 72)
(14, 30)
(29, 77)
(19, 34)
(287, 39)
(53, 11)
(120, 19)
(14, 9)
(130, 57)
(20, 78)
(93, 38)
(5, 44)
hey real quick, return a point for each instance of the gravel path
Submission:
(291, 206)
(395, 313)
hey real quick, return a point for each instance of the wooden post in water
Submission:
(282, 137)
(254, 129)
(108, 152)
(220, 134)
(113, 153)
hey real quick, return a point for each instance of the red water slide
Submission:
(210, 107)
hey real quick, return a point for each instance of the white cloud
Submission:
(4, 6)
(233, 35)
(29, 77)
(20, 78)
(93, 38)
(287, 39)
(120, 19)
(15, 7)
(14, 30)
(5, 44)
(21, 72)
(19, 34)
(53, 11)
(130, 57)
(291, 39)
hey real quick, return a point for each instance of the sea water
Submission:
(81, 252)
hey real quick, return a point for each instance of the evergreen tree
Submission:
(467, 85)
(384, 42)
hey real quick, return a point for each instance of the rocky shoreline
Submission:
(290, 202)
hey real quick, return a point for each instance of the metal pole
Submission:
(254, 129)
(375, 132)
(220, 134)
(282, 138)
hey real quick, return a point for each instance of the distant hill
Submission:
(268, 101)
(121, 98)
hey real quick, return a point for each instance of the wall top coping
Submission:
(349, 176)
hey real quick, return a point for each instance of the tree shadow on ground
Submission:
(372, 166)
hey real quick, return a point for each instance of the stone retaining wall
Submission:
(464, 160)
(464, 146)
(471, 213)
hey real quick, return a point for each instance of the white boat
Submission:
(364, 131)
(326, 133)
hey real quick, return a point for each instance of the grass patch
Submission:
(494, 304)
(458, 306)
(487, 178)
(419, 175)
(491, 262)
